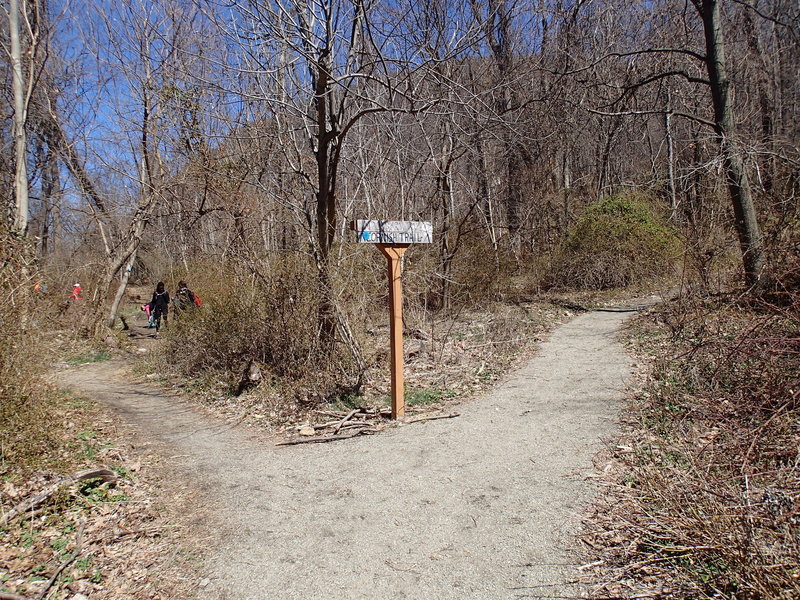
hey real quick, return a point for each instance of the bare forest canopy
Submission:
(142, 137)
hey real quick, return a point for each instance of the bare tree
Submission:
(137, 52)
(315, 69)
(20, 145)
(750, 238)
(23, 82)
(496, 18)
(674, 58)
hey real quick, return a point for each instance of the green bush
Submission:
(619, 241)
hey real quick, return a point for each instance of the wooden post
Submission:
(393, 239)
(393, 254)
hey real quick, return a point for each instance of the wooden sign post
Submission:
(393, 238)
(394, 253)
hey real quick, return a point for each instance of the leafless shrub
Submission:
(708, 496)
(264, 312)
(266, 315)
(24, 433)
(471, 273)
(16, 283)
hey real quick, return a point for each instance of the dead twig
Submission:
(331, 413)
(357, 424)
(141, 531)
(327, 438)
(434, 418)
(78, 547)
(396, 568)
(345, 420)
(596, 563)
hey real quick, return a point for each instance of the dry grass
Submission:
(119, 544)
(704, 497)
(124, 545)
(24, 434)
(266, 310)
(448, 358)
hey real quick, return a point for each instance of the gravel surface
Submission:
(482, 506)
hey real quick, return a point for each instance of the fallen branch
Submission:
(331, 413)
(434, 418)
(345, 420)
(324, 425)
(357, 424)
(135, 533)
(10, 596)
(65, 564)
(327, 438)
(32, 503)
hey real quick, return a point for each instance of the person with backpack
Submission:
(185, 298)
(159, 305)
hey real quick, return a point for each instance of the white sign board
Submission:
(394, 232)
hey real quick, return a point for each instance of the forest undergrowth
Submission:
(448, 358)
(461, 332)
(702, 497)
(78, 511)
(86, 519)
(107, 538)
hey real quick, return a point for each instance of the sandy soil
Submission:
(483, 506)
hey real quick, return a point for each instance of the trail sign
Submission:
(394, 232)
(393, 239)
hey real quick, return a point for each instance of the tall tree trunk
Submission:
(50, 124)
(124, 254)
(20, 116)
(445, 190)
(671, 186)
(123, 284)
(484, 193)
(51, 197)
(564, 175)
(497, 28)
(750, 239)
(766, 93)
(514, 191)
(326, 207)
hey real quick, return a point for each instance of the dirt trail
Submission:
(484, 506)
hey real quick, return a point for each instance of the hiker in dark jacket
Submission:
(159, 305)
(184, 297)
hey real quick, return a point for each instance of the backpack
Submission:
(197, 301)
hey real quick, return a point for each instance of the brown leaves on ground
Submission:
(100, 540)
(702, 490)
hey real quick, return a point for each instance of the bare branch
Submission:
(628, 113)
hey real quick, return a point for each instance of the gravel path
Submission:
(483, 506)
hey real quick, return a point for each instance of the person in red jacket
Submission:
(76, 292)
